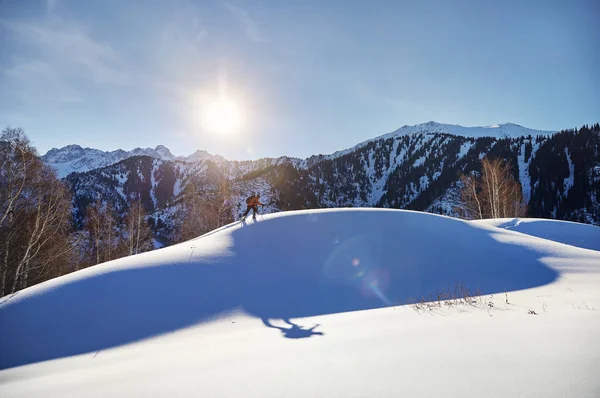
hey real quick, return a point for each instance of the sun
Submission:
(222, 116)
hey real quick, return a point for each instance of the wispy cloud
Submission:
(50, 5)
(251, 26)
(182, 34)
(56, 61)
(66, 46)
(53, 56)
(34, 81)
(179, 59)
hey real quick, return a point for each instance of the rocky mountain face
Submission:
(416, 167)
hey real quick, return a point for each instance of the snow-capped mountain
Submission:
(203, 155)
(74, 158)
(506, 130)
(498, 131)
(406, 303)
(420, 171)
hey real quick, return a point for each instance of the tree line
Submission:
(34, 216)
(39, 239)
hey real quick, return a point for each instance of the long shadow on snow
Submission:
(294, 331)
(287, 267)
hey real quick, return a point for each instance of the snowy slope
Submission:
(581, 235)
(276, 308)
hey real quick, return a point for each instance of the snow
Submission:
(506, 130)
(524, 177)
(120, 192)
(378, 184)
(156, 244)
(155, 167)
(581, 235)
(177, 187)
(121, 178)
(74, 158)
(306, 303)
(448, 202)
(419, 162)
(464, 149)
(164, 152)
(568, 182)
(203, 155)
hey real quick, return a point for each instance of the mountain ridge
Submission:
(75, 158)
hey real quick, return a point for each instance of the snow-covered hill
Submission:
(570, 233)
(309, 303)
(74, 158)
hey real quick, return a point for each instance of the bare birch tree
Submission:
(204, 209)
(493, 193)
(43, 226)
(136, 235)
(35, 214)
(100, 225)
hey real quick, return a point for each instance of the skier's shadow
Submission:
(295, 331)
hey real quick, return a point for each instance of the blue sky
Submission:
(310, 76)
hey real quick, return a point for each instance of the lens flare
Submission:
(375, 283)
(356, 264)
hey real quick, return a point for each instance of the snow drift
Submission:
(288, 265)
(575, 234)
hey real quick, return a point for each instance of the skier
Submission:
(252, 202)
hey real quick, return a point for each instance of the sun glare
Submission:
(222, 116)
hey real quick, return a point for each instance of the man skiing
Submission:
(252, 202)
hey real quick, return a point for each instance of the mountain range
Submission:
(74, 158)
(414, 167)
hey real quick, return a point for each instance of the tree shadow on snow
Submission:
(304, 264)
